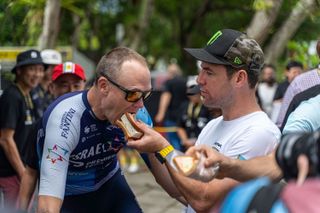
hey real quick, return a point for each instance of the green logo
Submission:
(214, 37)
(237, 60)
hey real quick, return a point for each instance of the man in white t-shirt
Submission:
(230, 66)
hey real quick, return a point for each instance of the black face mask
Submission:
(293, 145)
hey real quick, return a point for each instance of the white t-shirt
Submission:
(246, 137)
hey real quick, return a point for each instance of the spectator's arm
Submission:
(11, 151)
(27, 187)
(163, 106)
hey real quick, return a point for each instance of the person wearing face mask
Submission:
(78, 141)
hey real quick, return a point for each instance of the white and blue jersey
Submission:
(77, 151)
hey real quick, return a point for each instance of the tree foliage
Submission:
(90, 26)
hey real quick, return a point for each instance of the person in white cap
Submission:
(40, 95)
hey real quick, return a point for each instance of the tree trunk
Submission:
(76, 33)
(50, 25)
(278, 42)
(145, 14)
(263, 20)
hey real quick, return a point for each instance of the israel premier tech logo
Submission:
(56, 153)
(65, 122)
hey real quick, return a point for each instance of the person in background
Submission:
(193, 115)
(299, 99)
(267, 88)
(172, 97)
(17, 118)
(300, 83)
(305, 118)
(67, 77)
(293, 69)
(41, 95)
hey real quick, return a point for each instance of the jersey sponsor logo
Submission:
(65, 122)
(217, 145)
(90, 152)
(96, 162)
(101, 161)
(86, 130)
(91, 128)
(56, 153)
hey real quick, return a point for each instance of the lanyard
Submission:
(27, 98)
(194, 113)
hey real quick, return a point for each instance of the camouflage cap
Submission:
(231, 47)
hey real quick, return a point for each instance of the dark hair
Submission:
(269, 66)
(294, 64)
(253, 76)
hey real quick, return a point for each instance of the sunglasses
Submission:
(131, 95)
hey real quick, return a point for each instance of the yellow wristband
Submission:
(165, 151)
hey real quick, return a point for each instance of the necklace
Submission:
(193, 113)
(27, 99)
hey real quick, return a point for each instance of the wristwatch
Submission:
(161, 155)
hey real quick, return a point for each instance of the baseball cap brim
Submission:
(193, 90)
(202, 55)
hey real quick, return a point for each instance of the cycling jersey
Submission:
(77, 151)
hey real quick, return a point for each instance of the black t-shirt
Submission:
(15, 114)
(193, 118)
(32, 159)
(41, 100)
(177, 88)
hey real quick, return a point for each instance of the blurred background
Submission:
(84, 30)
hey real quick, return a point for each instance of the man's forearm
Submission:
(49, 204)
(243, 170)
(27, 187)
(200, 195)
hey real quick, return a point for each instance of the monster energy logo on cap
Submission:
(214, 37)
